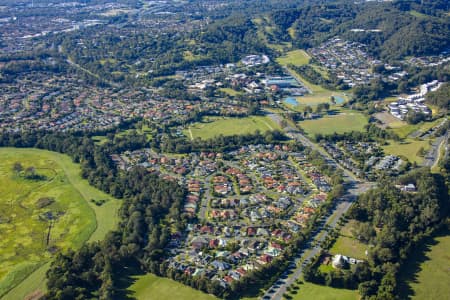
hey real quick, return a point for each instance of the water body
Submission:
(291, 101)
(339, 99)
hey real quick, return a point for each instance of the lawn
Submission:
(347, 245)
(149, 286)
(409, 149)
(230, 91)
(344, 121)
(315, 99)
(24, 220)
(403, 129)
(214, 126)
(427, 273)
(309, 291)
(350, 247)
(295, 57)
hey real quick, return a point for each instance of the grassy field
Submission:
(409, 148)
(149, 287)
(345, 121)
(347, 245)
(310, 291)
(427, 275)
(315, 99)
(230, 91)
(23, 224)
(295, 57)
(214, 126)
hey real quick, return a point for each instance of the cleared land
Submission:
(347, 245)
(318, 292)
(215, 126)
(230, 91)
(339, 123)
(295, 57)
(427, 275)
(409, 149)
(24, 212)
(149, 287)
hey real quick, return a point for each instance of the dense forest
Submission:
(401, 32)
(441, 97)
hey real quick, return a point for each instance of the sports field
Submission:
(152, 287)
(344, 121)
(45, 212)
(215, 126)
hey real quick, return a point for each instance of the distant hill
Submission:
(392, 30)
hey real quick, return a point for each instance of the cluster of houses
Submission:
(350, 62)
(389, 163)
(414, 102)
(363, 159)
(63, 103)
(255, 60)
(249, 204)
(347, 60)
(430, 61)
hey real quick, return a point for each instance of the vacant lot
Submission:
(409, 148)
(342, 122)
(149, 287)
(347, 245)
(215, 126)
(42, 215)
(296, 58)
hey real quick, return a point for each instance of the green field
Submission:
(149, 286)
(347, 245)
(310, 291)
(427, 273)
(215, 126)
(23, 221)
(408, 148)
(295, 57)
(345, 121)
(230, 91)
(315, 99)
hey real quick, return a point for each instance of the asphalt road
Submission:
(354, 188)
(432, 156)
(279, 288)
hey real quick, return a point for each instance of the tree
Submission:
(17, 167)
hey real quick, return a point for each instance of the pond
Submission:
(339, 99)
(291, 101)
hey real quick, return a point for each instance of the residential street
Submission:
(354, 188)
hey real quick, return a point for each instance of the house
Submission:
(220, 265)
(340, 261)
(265, 259)
(199, 243)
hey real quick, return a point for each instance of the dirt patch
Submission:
(386, 119)
(38, 294)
